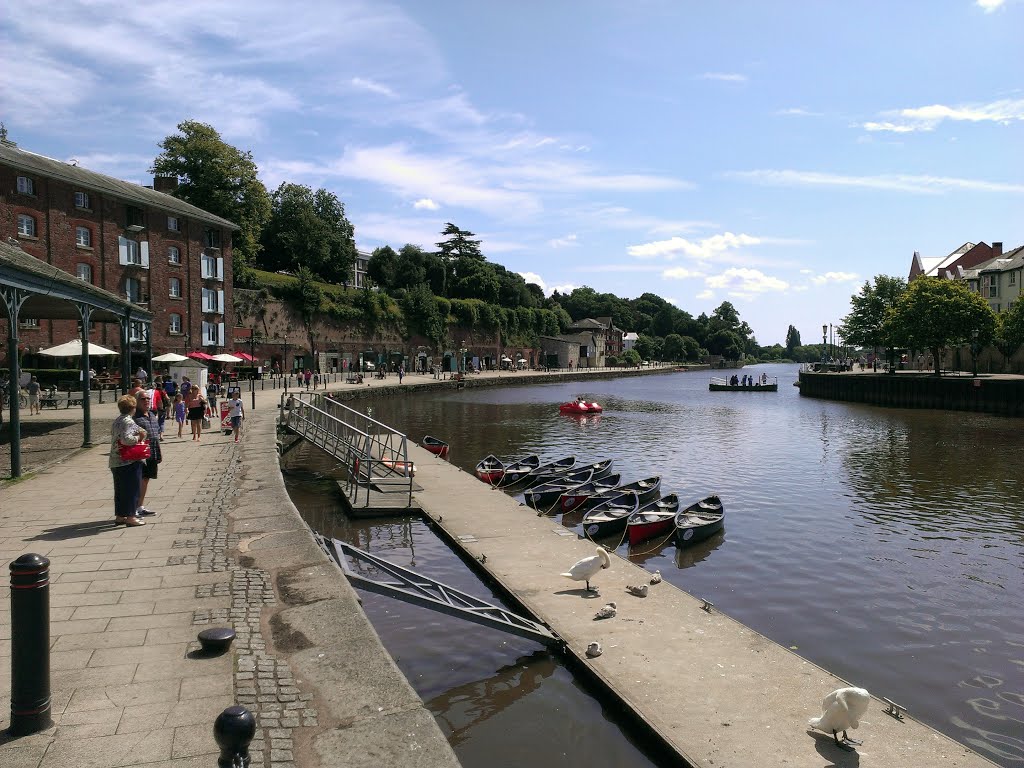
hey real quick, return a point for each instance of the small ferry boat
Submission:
(720, 384)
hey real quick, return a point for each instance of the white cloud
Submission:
(740, 281)
(364, 84)
(702, 250)
(569, 241)
(927, 118)
(989, 5)
(890, 182)
(705, 295)
(799, 112)
(681, 273)
(564, 288)
(533, 277)
(725, 77)
(425, 204)
(835, 277)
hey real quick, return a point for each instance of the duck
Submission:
(841, 710)
(585, 569)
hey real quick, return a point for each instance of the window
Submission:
(133, 289)
(174, 224)
(82, 200)
(83, 272)
(174, 288)
(134, 218)
(174, 255)
(213, 334)
(1011, 278)
(213, 301)
(26, 225)
(29, 322)
(136, 331)
(83, 237)
(213, 238)
(212, 267)
(993, 286)
(26, 186)
(175, 326)
(132, 252)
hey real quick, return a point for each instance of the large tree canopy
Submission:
(934, 313)
(869, 322)
(459, 243)
(218, 178)
(309, 229)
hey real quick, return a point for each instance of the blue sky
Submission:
(772, 154)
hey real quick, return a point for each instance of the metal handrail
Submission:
(370, 450)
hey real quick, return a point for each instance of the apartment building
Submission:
(999, 280)
(159, 252)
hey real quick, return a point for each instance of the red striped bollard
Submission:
(30, 645)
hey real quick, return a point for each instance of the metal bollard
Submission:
(30, 645)
(233, 732)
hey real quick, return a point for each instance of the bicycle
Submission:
(22, 398)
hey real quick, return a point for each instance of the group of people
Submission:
(748, 381)
(142, 414)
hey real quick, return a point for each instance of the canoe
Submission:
(517, 470)
(646, 489)
(545, 494)
(555, 467)
(577, 407)
(652, 519)
(492, 470)
(437, 447)
(599, 468)
(581, 494)
(609, 517)
(699, 521)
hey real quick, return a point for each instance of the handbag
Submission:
(137, 452)
(206, 422)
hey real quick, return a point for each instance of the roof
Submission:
(1010, 260)
(30, 162)
(587, 323)
(630, 336)
(52, 290)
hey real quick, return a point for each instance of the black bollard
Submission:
(233, 732)
(30, 645)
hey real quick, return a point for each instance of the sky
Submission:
(775, 155)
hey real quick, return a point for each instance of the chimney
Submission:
(997, 250)
(166, 184)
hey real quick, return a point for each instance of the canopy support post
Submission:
(85, 311)
(13, 298)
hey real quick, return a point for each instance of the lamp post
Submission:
(284, 362)
(252, 362)
(824, 341)
(974, 351)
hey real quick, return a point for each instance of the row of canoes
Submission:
(633, 510)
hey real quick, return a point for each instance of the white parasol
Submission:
(73, 348)
(169, 357)
(224, 357)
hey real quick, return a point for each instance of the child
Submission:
(179, 412)
(236, 413)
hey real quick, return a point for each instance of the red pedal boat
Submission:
(580, 406)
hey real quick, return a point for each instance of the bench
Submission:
(49, 400)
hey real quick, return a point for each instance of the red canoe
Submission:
(577, 407)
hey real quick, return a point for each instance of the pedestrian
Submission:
(179, 412)
(236, 412)
(144, 418)
(211, 392)
(316, 378)
(186, 385)
(401, 373)
(158, 405)
(141, 374)
(308, 377)
(33, 396)
(127, 472)
(195, 404)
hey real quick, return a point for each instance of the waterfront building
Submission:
(160, 253)
(999, 280)
(952, 267)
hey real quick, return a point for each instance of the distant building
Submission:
(953, 266)
(629, 340)
(157, 251)
(998, 280)
(359, 268)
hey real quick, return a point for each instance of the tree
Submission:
(308, 228)
(423, 315)
(308, 299)
(383, 268)
(868, 324)
(934, 313)
(631, 358)
(460, 243)
(674, 348)
(792, 341)
(221, 179)
(1010, 329)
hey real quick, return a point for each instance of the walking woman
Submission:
(196, 405)
(127, 474)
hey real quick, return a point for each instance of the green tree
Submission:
(308, 228)
(383, 268)
(1010, 329)
(934, 313)
(792, 341)
(423, 315)
(869, 322)
(631, 358)
(459, 244)
(309, 298)
(221, 179)
(674, 348)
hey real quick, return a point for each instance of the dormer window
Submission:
(26, 185)
(135, 218)
(213, 238)
(173, 224)
(82, 200)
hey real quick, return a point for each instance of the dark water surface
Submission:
(885, 545)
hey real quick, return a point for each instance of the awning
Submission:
(169, 357)
(200, 356)
(73, 348)
(506, 359)
(245, 356)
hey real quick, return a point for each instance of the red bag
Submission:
(137, 452)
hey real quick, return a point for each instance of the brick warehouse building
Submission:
(162, 253)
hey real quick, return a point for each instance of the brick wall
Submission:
(57, 219)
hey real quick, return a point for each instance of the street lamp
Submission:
(252, 362)
(824, 341)
(974, 350)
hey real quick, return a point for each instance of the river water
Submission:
(884, 545)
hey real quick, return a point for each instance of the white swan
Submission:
(588, 567)
(841, 710)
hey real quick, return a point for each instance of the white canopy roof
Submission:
(224, 357)
(169, 357)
